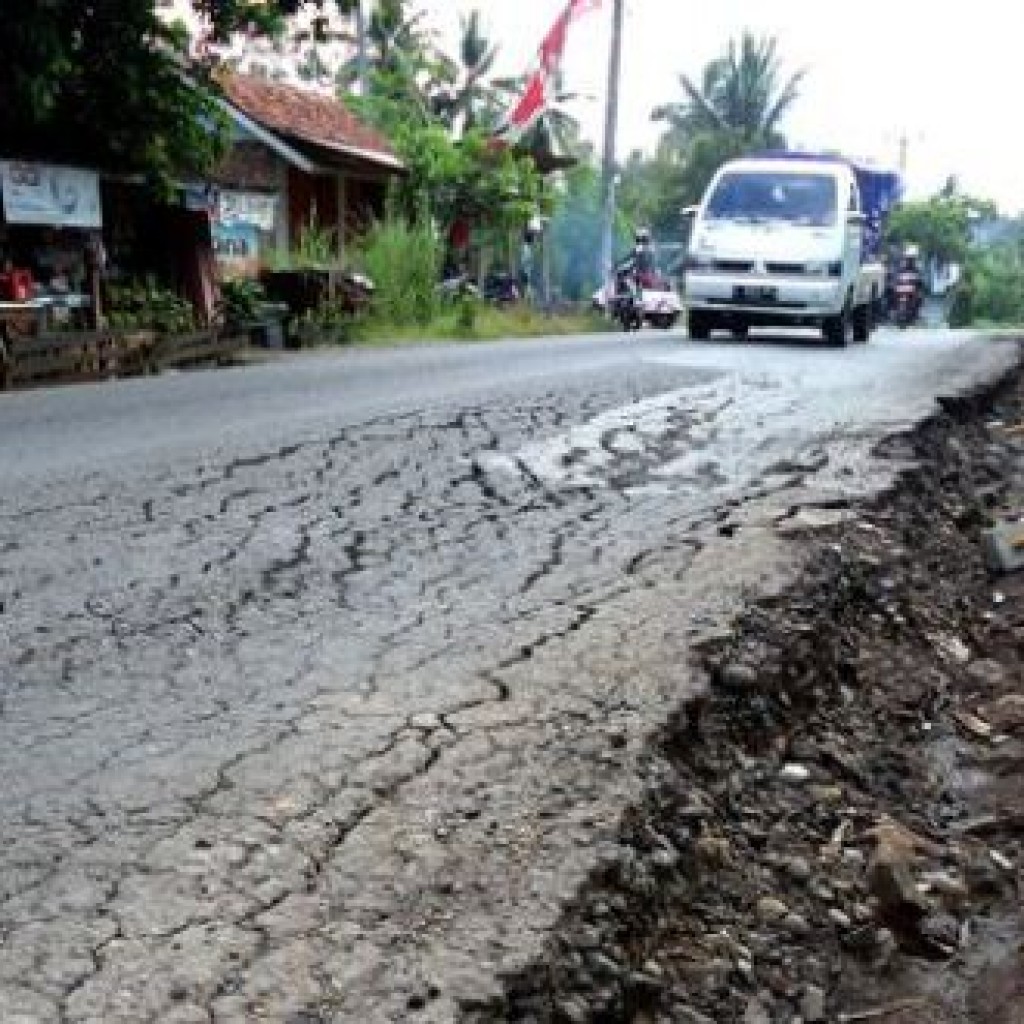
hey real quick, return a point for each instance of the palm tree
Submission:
(555, 132)
(356, 10)
(462, 95)
(394, 36)
(741, 94)
(395, 58)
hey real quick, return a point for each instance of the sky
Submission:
(877, 70)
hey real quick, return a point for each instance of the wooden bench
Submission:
(174, 350)
(57, 357)
(134, 353)
(54, 357)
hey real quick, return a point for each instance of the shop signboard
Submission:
(255, 209)
(34, 193)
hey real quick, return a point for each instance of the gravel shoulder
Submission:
(835, 829)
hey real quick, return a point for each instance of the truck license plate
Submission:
(755, 293)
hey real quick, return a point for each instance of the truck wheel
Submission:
(863, 322)
(698, 325)
(837, 328)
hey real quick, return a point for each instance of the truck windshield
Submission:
(794, 197)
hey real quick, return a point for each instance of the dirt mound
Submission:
(837, 831)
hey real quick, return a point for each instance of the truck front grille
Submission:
(734, 266)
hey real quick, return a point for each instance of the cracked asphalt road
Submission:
(322, 680)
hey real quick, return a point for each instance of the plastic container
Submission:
(16, 285)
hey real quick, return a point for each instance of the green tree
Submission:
(650, 188)
(940, 226)
(740, 93)
(463, 97)
(466, 177)
(109, 83)
(738, 106)
(79, 85)
(556, 131)
(991, 289)
(399, 54)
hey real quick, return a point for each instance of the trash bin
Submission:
(269, 333)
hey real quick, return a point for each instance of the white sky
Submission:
(951, 80)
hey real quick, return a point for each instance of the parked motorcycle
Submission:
(502, 289)
(498, 289)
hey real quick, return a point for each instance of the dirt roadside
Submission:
(836, 833)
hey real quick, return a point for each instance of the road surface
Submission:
(322, 680)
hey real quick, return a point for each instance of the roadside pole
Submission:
(361, 59)
(608, 160)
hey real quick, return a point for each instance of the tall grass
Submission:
(489, 323)
(403, 260)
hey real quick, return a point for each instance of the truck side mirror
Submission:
(856, 217)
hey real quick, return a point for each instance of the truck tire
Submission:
(863, 322)
(837, 328)
(698, 325)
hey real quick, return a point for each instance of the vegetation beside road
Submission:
(489, 324)
(990, 292)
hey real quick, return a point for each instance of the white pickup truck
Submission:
(789, 241)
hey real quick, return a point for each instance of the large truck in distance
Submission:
(790, 240)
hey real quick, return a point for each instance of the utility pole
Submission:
(608, 182)
(360, 12)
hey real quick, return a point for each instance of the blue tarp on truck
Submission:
(880, 191)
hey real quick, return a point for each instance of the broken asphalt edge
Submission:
(535, 992)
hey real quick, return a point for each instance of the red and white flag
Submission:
(536, 95)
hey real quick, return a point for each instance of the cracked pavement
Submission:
(322, 681)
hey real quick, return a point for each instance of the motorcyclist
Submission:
(640, 261)
(629, 277)
(909, 271)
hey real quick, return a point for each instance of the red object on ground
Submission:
(16, 285)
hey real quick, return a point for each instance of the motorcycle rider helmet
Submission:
(642, 236)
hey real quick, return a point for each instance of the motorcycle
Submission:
(659, 302)
(626, 305)
(498, 289)
(907, 300)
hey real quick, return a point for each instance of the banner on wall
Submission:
(64, 197)
(237, 249)
(256, 209)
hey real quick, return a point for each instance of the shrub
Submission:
(403, 260)
(991, 291)
(328, 323)
(145, 305)
(240, 302)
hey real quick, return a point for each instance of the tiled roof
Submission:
(307, 116)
